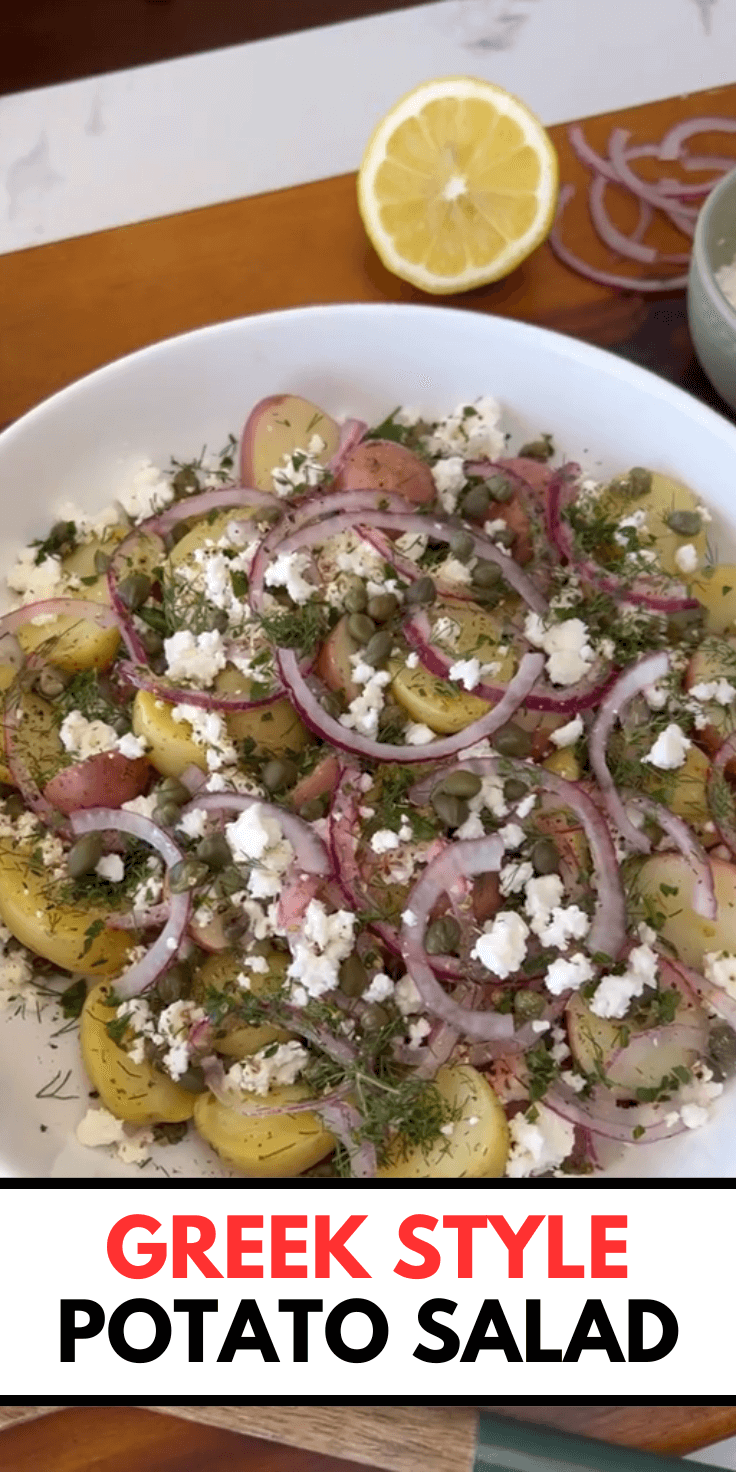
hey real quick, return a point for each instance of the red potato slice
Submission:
(276, 427)
(106, 780)
(333, 662)
(534, 472)
(382, 465)
(323, 779)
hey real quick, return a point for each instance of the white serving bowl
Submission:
(360, 359)
(711, 316)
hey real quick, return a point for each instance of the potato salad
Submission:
(370, 787)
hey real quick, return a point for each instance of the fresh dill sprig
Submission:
(301, 628)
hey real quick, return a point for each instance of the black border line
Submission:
(299, 1183)
(471, 1402)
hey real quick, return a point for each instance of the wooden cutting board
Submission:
(397, 1439)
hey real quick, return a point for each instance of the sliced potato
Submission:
(220, 972)
(479, 1143)
(667, 882)
(437, 703)
(72, 643)
(597, 1041)
(384, 466)
(36, 741)
(666, 495)
(133, 1091)
(277, 1145)
(715, 659)
(686, 789)
(274, 728)
(277, 426)
(62, 933)
(171, 746)
(208, 531)
(81, 562)
(718, 595)
(564, 763)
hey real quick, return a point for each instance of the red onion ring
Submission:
(166, 947)
(240, 498)
(224, 700)
(601, 1114)
(351, 434)
(311, 853)
(704, 900)
(673, 140)
(715, 996)
(594, 273)
(625, 245)
(716, 782)
(308, 707)
(636, 678)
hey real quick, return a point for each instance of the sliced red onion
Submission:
(149, 918)
(343, 1120)
(588, 155)
(716, 783)
(166, 947)
(673, 140)
(351, 434)
(585, 694)
(312, 713)
(463, 859)
(439, 531)
(240, 498)
(704, 900)
(79, 608)
(601, 1114)
(707, 991)
(625, 245)
(631, 683)
(594, 273)
(310, 852)
(227, 700)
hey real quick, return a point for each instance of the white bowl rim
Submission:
(701, 258)
(574, 349)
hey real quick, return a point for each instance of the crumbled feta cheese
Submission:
(538, 1146)
(514, 876)
(471, 828)
(149, 492)
(326, 940)
(568, 974)
(384, 840)
(300, 468)
(669, 749)
(195, 657)
(418, 1031)
(145, 805)
(380, 988)
(412, 545)
(110, 867)
(449, 478)
(132, 746)
(569, 734)
(466, 671)
(471, 432)
(693, 1116)
(656, 697)
(267, 1069)
(407, 416)
(83, 738)
(363, 712)
(453, 571)
(614, 994)
(287, 571)
(99, 1127)
(416, 734)
(445, 630)
(524, 808)
(569, 654)
(719, 967)
(722, 691)
(16, 974)
(511, 835)
(412, 660)
(407, 996)
(35, 583)
(409, 919)
(194, 823)
(257, 839)
(686, 558)
(502, 946)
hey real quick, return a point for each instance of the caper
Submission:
(152, 642)
(375, 1016)
(378, 649)
(541, 449)
(175, 983)
(312, 809)
(511, 740)
(353, 976)
(442, 936)
(505, 537)
(640, 481)
(460, 783)
(235, 926)
(453, 811)
(102, 561)
(84, 855)
(231, 880)
(514, 790)
(499, 488)
(216, 619)
(355, 596)
(193, 1080)
(476, 502)
(187, 874)
(167, 814)
(332, 704)
(421, 593)
(14, 805)
(278, 774)
(361, 627)
(462, 546)
(685, 523)
(685, 621)
(722, 1050)
(214, 851)
(51, 681)
(172, 790)
(134, 590)
(383, 607)
(528, 1005)
(545, 858)
(486, 575)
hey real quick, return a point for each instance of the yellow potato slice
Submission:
(666, 881)
(440, 704)
(479, 1143)
(220, 972)
(36, 741)
(685, 789)
(718, 594)
(277, 1145)
(597, 1041)
(35, 914)
(137, 1092)
(208, 530)
(274, 728)
(72, 643)
(666, 495)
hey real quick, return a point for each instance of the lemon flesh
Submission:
(458, 185)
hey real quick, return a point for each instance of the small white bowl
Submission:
(711, 316)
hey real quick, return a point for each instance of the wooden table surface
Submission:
(116, 1439)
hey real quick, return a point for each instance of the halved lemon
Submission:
(458, 184)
